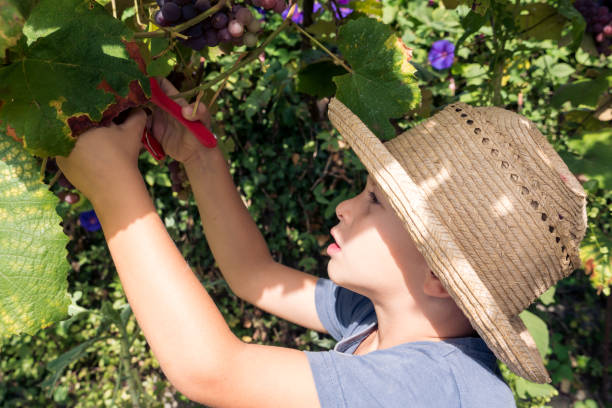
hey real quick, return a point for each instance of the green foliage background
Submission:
(292, 169)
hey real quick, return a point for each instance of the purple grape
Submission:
(202, 5)
(206, 24)
(244, 16)
(64, 182)
(171, 12)
(197, 43)
(211, 37)
(250, 39)
(254, 26)
(268, 4)
(280, 6)
(194, 31)
(235, 28)
(181, 2)
(607, 30)
(189, 12)
(219, 20)
(159, 19)
(223, 35)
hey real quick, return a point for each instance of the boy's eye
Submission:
(373, 198)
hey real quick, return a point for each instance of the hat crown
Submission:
(509, 201)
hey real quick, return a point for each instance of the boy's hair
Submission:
(492, 207)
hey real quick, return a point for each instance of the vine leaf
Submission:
(591, 156)
(382, 84)
(73, 77)
(33, 265)
(11, 22)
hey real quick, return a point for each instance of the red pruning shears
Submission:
(159, 98)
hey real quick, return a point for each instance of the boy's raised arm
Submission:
(192, 342)
(240, 249)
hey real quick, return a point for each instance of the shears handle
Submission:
(159, 98)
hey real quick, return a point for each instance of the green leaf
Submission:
(24, 6)
(479, 6)
(567, 10)
(562, 70)
(470, 23)
(62, 75)
(58, 365)
(382, 84)
(33, 266)
(316, 79)
(540, 21)
(165, 61)
(538, 330)
(371, 7)
(582, 94)
(11, 23)
(548, 297)
(593, 151)
(527, 389)
(595, 251)
(51, 16)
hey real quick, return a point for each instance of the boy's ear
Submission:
(433, 287)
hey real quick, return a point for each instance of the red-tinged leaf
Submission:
(63, 84)
(136, 97)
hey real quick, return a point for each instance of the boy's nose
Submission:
(343, 210)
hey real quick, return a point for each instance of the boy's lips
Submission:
(334, 235)
(333, 248)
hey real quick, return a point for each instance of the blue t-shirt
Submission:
(459, 372)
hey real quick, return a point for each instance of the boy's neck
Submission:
(400, 323)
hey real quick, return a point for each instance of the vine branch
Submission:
(251, 56)
(337, 60)
(180, 27)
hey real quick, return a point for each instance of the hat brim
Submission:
(506, 335)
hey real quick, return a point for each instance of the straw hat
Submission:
(492, 207)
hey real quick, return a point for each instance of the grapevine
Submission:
(228, 25)
(598, 17)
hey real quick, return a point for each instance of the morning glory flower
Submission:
(89, 220)
(442, 54)
(298, 15)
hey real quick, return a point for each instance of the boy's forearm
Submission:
(179, 319)
(236, 242)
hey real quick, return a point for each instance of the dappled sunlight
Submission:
(503, 206)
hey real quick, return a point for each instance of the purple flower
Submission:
(442, 54)
(344, 11)
(89, 220)
(298, 15)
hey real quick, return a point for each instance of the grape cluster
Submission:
(599, 22)
(235, 26)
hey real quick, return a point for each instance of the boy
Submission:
(464, 221)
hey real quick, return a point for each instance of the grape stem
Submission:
(178, 28)
(337, 60)
(252, 55)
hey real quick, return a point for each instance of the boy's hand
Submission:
(102, 157)
(178, 142)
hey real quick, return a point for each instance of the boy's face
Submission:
(376, 255)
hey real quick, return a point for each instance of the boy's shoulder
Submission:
(417, 374)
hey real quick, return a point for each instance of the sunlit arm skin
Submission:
(196, 349)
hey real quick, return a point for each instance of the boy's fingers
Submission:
(170, 90)
(201, 114)
(134, 125)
